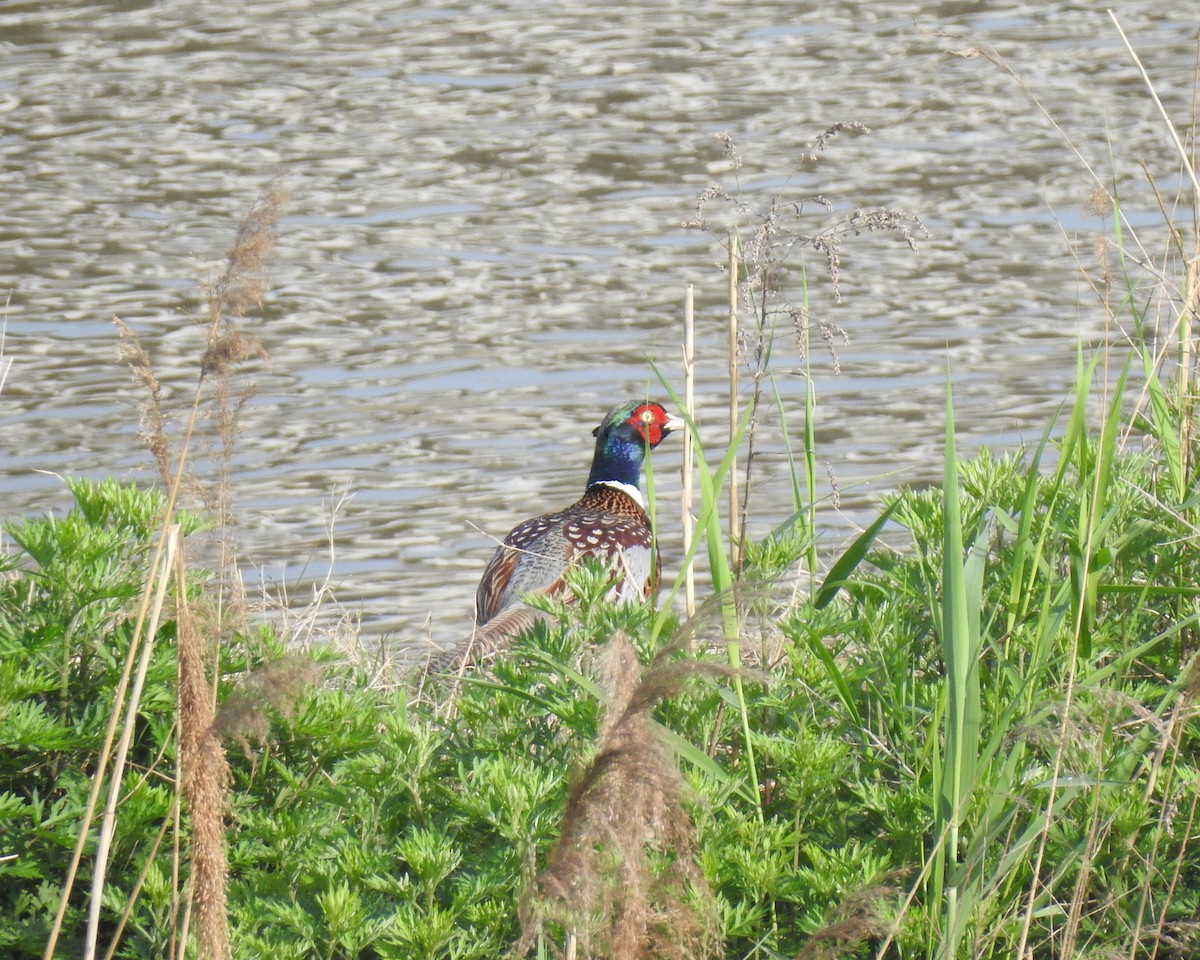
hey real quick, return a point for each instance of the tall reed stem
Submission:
(689, 404)
(108, 822)
(122, 686)
(735, 516)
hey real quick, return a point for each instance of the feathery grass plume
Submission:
(242, 283)
(151, 428)
(858, 919)
(230, 348)
(238, 289)
(276, 686)
(622, 878)
(205, 775)
(233, 293)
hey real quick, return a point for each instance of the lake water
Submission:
(485, 247)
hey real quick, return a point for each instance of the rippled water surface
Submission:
(485, 243)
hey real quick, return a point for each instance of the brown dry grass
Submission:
(241, 285)
(204, 773)
(274, 687)
(766, 242)
(205, 778)
(860, 918)
(151, 430)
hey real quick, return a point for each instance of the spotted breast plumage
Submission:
(608, 523)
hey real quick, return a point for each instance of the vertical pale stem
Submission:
(108, 822)
(735, 517)
(1187, 386)
(122, 685)
(175, 849)
(131, 899)
(689, 404)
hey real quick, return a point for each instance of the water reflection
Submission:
(485, 246)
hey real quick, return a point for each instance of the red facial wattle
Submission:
(649, 420)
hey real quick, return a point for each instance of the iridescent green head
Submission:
(623, 439)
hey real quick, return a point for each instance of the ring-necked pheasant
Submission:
(608, 523)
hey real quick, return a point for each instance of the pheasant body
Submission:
(608, 523)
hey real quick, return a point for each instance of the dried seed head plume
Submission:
(151, 429)
(709, 194)
(831, 334)
(239, 288)
(775, 234)
(206, 779)
(814, 150)
(204, 770)
(228, 349)
(731, 150)
(859, 918)
(623, 875)
(241, 285)
(1099, 203)
(273, 687)
(829, 241)
(243, 282)
(835, 490)
(206, 774)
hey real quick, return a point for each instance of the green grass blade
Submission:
(847, 563)
(813, 640)
(1026, 553)
(1091, 554)
(961, 590)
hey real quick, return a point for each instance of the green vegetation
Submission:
(372, 822)
(981, 745)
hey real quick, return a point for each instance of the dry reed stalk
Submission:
(176, 850)
(141, 880)
(240, 286)
(5, 362)
(1184, 156)
(735, 525)
(689, 403)
(205, 771)
(1187, 358)
(109, 733)
(233, 294)
(205, 768)
(108, 821)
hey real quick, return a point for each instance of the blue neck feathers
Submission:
(619, 455)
